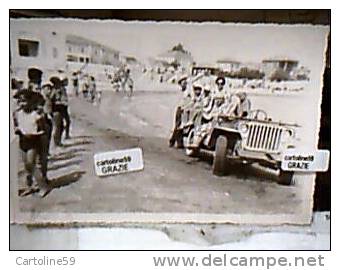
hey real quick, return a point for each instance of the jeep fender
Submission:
(232, 135)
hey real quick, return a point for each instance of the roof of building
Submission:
(227, 61)
(84, 41)
(175, 55)
(279, 59)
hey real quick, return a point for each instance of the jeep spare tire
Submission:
(220, 159)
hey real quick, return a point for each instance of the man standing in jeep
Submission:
(185, 100)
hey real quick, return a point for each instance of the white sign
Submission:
(120, 161)
(305, 161)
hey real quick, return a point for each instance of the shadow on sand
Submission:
(63, 165)
(69, 154)
(82, 137)
(54, 183)
(66, 179)
(82, 142)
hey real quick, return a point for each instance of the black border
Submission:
(294, 16)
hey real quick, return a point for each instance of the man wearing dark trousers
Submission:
(30, 126)
(60, 110)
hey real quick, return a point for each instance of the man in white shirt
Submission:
(30, 126)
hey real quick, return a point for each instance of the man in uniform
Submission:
(186, 99)
(208, 103)
(46, 91)
(92, 89)
(195, 108)
(220, 83)
(34, 79)
(60, 110)
(183, 83)
(42, 107)
(75, 83)
(238, 106)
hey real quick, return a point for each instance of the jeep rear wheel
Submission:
(220, 159)
(285, 178)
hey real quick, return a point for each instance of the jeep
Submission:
(252, 139)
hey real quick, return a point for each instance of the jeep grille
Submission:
(262, 137)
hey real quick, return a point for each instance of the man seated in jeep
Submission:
(237, 106)
(206, 121)
(219, 87)
(192, 111)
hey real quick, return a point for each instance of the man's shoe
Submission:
(44, 191)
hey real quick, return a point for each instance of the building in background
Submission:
(279, 69)
(228, 65)
(82, 50)
(44, 50)
(177, 57)
(49, 51)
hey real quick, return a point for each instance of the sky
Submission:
(207, 42)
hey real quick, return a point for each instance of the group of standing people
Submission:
(202, 102)
(122, 81)
(86, 84)
(40, 114)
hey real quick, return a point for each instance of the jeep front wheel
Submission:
(192, 152)
(220, 159)
(285, 178)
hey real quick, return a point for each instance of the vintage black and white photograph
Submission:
(209, 107)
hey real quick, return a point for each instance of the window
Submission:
(28, 48)
(81, 59)
(55, 52)
(82, 49)
(70, 48)
(72, 58)
(87, 60)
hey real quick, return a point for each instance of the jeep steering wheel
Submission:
(258, 115)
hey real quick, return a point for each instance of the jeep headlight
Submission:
(287, 134)
(243, 128)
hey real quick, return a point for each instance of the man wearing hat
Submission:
(195, 108)
(220, 83)
(46, 91)
(208, 103)
(60, 110)
(75, 83)
(183, 83)
(239, 105)
(34, 76)
(30, 126)
(176, 135)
